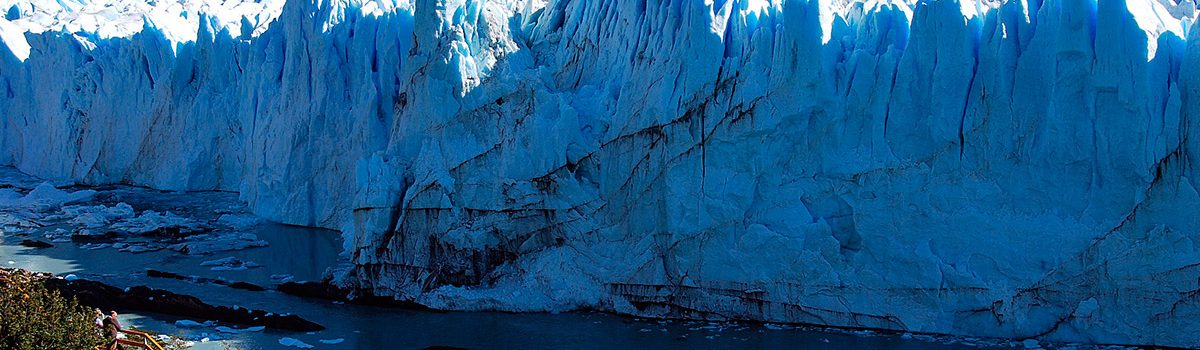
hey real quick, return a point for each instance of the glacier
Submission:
(1018, 169)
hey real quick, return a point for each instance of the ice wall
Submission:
(1018, 169)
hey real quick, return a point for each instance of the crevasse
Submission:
(1018, 169)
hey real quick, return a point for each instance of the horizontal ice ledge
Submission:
(1020, 172)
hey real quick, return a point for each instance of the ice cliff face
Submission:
(1019, 169)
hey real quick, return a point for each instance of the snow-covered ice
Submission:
(229, 264)
(43, 197)
(102, 220)
(96, 216)
(192, 324)
(1013, 169)
(152, 221)
(293, 342)
(217, 242)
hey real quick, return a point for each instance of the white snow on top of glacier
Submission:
(757, 5)
(13, 36)
(830, 10)
(178, 20)
(1155, 18)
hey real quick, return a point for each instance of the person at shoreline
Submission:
(99, 319)
(113, 327)
(116, 322)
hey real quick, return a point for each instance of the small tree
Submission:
(33, 317)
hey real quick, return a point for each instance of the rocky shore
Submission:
(142, 298)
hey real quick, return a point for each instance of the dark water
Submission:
(307, 253)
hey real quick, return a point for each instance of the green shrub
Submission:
(32, 317)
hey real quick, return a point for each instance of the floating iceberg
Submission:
(293, 342)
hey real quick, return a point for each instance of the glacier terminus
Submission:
(1016, 169)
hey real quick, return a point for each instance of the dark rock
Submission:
(164, 274)
(175, 232)
(328, 291)
(247, 286)
(142, 298)
(194, 279)
(93, 236)
(36, 244)
(317, 290)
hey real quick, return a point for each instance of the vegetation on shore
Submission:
(38, 318)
